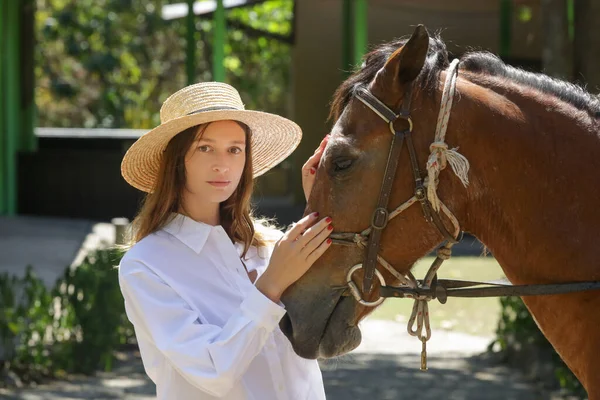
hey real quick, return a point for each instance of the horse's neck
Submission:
(534, 193)
(533, 201)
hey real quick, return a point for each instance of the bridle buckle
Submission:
(380, 218)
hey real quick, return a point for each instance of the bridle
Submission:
(422, 291)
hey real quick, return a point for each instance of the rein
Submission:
(429, 288)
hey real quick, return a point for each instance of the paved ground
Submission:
(48, 244)
(385, 366)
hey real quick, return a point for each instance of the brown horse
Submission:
(532, 194)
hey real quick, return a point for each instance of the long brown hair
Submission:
(235, 212)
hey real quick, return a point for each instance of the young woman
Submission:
(203, 278)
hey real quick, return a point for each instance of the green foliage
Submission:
(517, 330)
(75, 327)
(111, 63)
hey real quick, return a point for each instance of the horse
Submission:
(513, 161)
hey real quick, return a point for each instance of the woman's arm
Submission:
(209, 357)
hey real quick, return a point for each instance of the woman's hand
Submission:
(294, 254)
(310, 168)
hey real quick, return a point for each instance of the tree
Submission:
(111, 63)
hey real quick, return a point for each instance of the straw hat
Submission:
(273, 138)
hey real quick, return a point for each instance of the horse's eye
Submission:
(342, 164)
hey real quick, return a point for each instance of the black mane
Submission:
(476, 62)
(488, 63)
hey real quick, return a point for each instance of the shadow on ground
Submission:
(354, 376)
(393, 376)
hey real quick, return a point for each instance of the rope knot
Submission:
(360, 240)
(439, 146)
(444, 253)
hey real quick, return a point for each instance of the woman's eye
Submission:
(204, 148)
(340, 165)
(236, 150)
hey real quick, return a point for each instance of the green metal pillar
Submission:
(505, 27)
(571, 18)
(361, 35)
(190, 61)
(28, 140)
(219, 43)
(3, 133)
(355, 35)
(10, 103)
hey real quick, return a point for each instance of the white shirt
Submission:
(203, 329)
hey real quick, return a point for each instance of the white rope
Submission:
(441, 155)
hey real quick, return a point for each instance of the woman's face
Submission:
(215, 162)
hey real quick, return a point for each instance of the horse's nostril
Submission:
(286, 326)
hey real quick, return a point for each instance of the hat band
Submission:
(215, 108)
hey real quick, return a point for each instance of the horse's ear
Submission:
(406, 63)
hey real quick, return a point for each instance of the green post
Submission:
(571, 18)
(505, 27)
(10, 103)
(190, 64)
(3, 132)
(219, 43)
(28, 140)
(361, 35)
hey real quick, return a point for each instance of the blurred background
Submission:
(81, 80)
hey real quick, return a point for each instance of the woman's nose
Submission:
(220, 167)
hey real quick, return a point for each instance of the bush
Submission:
(75, 327)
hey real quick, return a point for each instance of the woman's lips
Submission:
(219, 184)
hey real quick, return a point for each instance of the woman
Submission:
(203, 279)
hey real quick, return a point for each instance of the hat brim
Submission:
(273, 139)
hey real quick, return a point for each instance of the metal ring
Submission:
(356, 293)
(410, 124)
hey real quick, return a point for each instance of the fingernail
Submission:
(328, 219)
(315, 214)
(330, 227)
(328, 241)
(313, 171)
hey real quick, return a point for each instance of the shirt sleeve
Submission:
(210, 357)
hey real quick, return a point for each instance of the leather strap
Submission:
(443, 288)
(380, 215)
(375, 105)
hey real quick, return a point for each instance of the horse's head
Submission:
(322, 316)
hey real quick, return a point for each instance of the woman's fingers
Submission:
(313, 231)
(313, 161)
(317, 239)
(318, 252)
(301, 226)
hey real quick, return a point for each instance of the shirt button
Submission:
(280, 387)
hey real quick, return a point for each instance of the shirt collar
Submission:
(190, 232)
